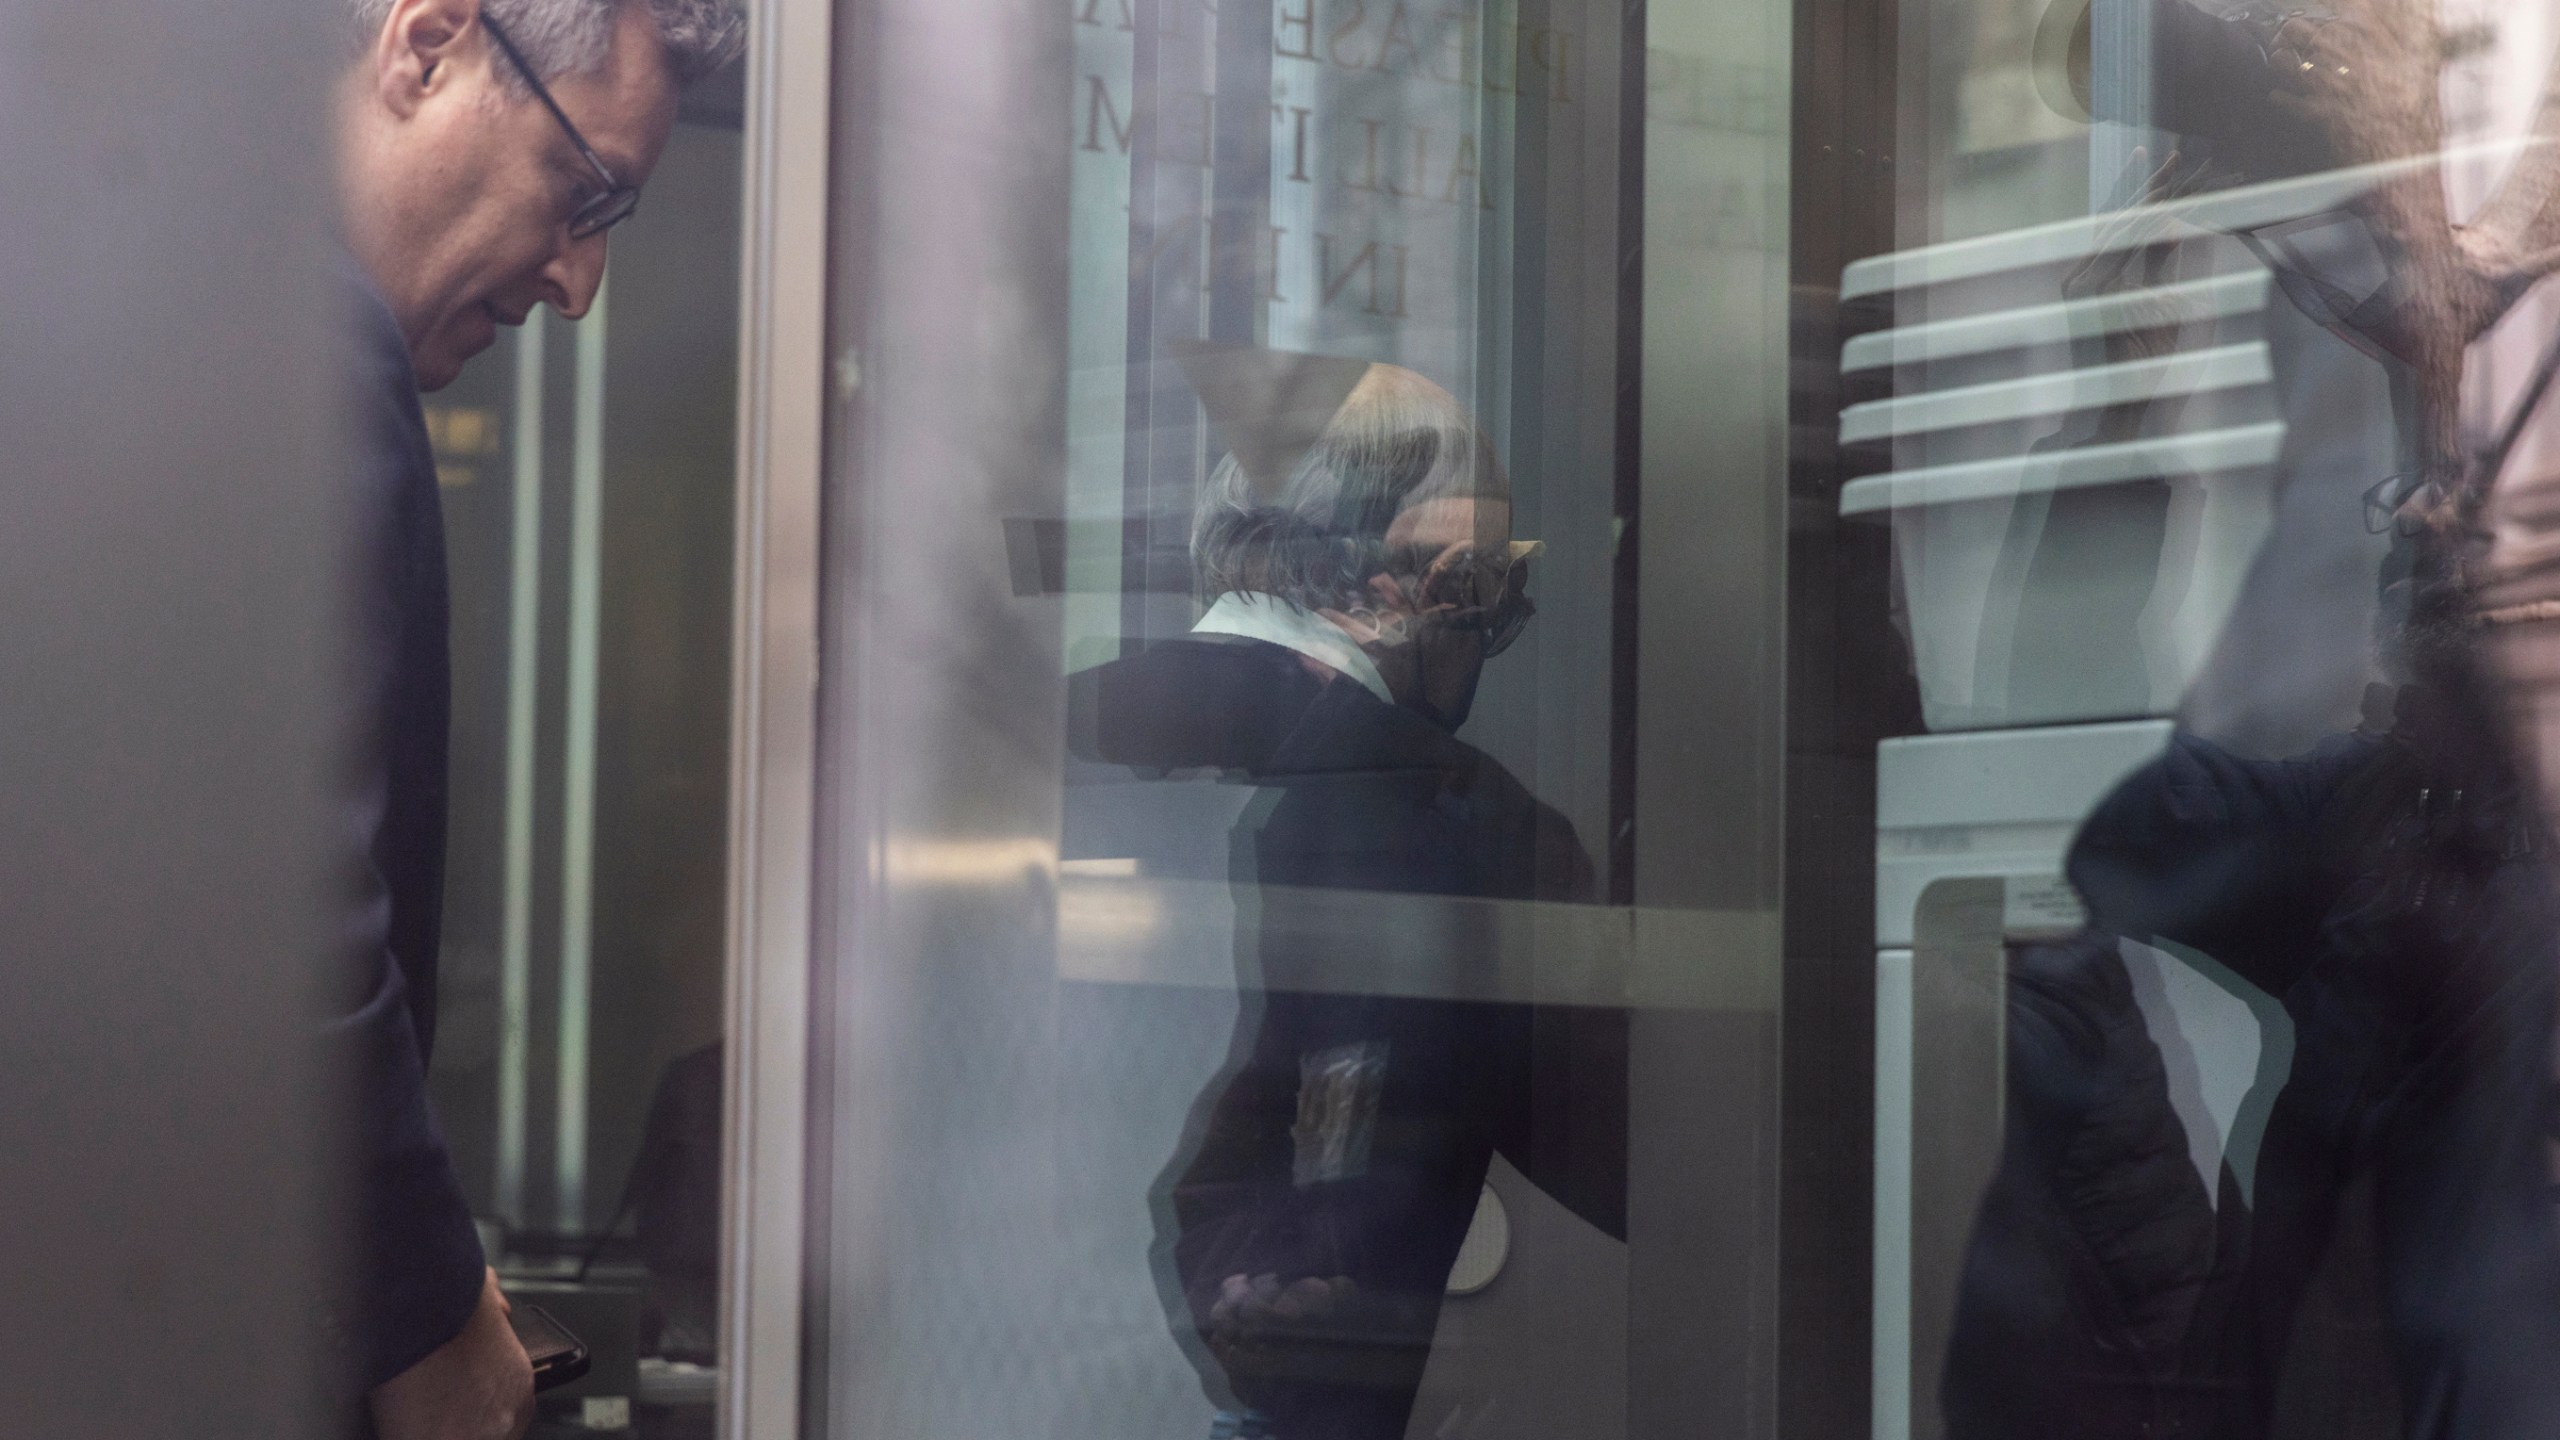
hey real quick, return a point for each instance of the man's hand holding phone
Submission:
(476, 1386)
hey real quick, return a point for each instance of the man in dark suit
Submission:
(483, 149)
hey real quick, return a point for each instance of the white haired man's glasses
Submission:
(1470, 589)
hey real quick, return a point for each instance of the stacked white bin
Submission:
(2078, 459)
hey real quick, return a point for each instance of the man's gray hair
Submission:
(1397, 442)
(572, 37)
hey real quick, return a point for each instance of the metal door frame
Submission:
(773, 729)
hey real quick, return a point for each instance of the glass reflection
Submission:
(2274, 1115)
(2089, 714)
(2305, 980)
(1357, 580)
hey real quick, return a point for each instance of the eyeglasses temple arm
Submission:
(542, 93)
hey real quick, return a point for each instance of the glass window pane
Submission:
(1719, 719)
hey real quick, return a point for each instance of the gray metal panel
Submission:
(171, 544)
(1709, 726)
(974, 1283)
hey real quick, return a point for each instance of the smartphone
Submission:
(558, 1357)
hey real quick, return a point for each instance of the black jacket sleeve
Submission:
(412, 1269)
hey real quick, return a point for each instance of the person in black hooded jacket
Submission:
(2389, 891)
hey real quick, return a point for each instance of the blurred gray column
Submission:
(171, 554)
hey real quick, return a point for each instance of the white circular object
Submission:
(1487, 1245)
(2061, 64)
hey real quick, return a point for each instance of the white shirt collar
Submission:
(1276, 621)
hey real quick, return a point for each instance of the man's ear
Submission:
(414, 56)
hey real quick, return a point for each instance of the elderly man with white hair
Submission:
(483, 149)
(1358, 573)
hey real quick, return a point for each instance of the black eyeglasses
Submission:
(616, 202)
(1501, 621)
